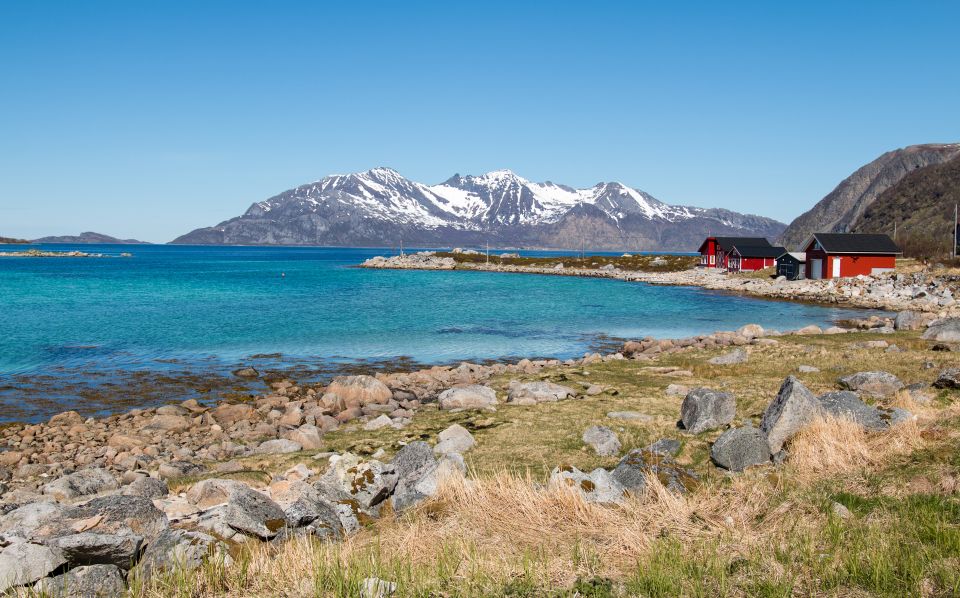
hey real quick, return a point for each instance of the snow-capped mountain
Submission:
(380, 207)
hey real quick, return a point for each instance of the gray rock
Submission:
(367, 482)
(119, 514)
(739, 448)
(666, 446)
(598, 486)
(705, 409)
(948, 378)
(794, 407)
(946, 330)
(24, 563)
(147, 487)
(629, 415)
(373, 587)
(304, 507)
(247, 372)
(376, 423)
(85, 482)
(411, 465)
(94, 581)
(633, 469)
(875, 384)
(28, 520)
(252, 513)
(603, 440)
(474, 396)
(840, 511)
(181, 550)
(538, 392)
(733, 357)
(908, 320)
(278, 446)
(807, 369)
(91, 548)
(848, 405)
(455, 439)
(178, 469)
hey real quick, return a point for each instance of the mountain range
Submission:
(380, 207)
(88, 237)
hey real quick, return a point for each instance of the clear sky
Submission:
(149, 119)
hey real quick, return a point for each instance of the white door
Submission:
(836, 267)
(816, 269)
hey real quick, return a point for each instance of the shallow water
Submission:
(171, 310)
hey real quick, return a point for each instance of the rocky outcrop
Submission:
(793, 408)
(874, 384)
(705, 409)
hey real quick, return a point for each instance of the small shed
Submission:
(750, 258)
(840, 255)
(792, 265)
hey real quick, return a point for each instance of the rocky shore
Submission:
(93, 503)
(40, 253)
(926, 291)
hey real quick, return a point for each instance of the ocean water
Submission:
(177, 309)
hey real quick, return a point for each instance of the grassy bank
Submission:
(766, 532)
(638, 263)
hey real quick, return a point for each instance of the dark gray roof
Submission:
(761, 251)
(728, 243)
(856, 243)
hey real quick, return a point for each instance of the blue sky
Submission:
(149, 119)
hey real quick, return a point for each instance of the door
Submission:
(836, 267)
(816, 269)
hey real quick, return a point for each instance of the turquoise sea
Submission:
(70, 327)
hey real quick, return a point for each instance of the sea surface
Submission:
(101, 334)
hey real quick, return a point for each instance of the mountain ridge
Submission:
(380, 207)
(88, 237)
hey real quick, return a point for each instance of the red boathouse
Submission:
(840, 255)
(745, 258)
(715, 251)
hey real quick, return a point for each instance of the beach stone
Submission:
(382, 421)
(739, 448)
(228, 414)
(85, 482)
(665, 446)
(10, 458)
(211, 492)
(67, 418)
(946, 330)
(359, 390)
(278, 446)
(125, 442)
(250, 512)
(411, 465)
(94, 581)
(246, 372)
(538, 392)
(809, 330)
(598, 486)
(733, 357)
(181, 550)
(474, 396)
(23, 563)
(632, 471)
(308, 436)
(908, 320)
(750, 331)
(847, 404)
(875, 384)
(705, 409)
(168, 423)
(91, 548)
(794, 407)
(948, 378)
(454, 439)
(146, 487)
(367, 482)
(603, 440)
(118, 514)
(178, 469)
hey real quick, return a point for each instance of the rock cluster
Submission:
(423, 260)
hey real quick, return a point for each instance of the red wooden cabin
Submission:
(840, 255)
(715, 251)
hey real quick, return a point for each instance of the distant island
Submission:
(11, 241)
(89, 237)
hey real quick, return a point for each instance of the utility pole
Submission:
(488, 252)
(956, 227)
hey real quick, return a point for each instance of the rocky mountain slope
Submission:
(380, 207)
(921, 206)
(88, 237)
(842, 208)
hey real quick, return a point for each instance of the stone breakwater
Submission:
(923, 291)
(92, 496)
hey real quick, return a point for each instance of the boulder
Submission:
(381, 421)
(598, 486)
(67, 418)
(875, 384)
(454, 439)
(308, 436)
(908, 320)
(946, 330)
(473, 396)
(705, 409)
(228, 414)
(739, 448)
(85, 482)
(181, 550)
(794, 407)
(31, 519)
(91, 548)
(118, 514)
(632, 471)
(146, 487)
(750, 331)
(304, 507)
(731, 358)
(847, 404)
(23, 563)
(809, 330)
(528, 393)
(603, 440)
(948, 378)
(246, 372)
(94, 581)
(211, 492)
(168, 423)
(250, 512)
(178, 469)
(278, 446)
(665, 446)
(368, 483)
(358, 391)
(411, 465)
